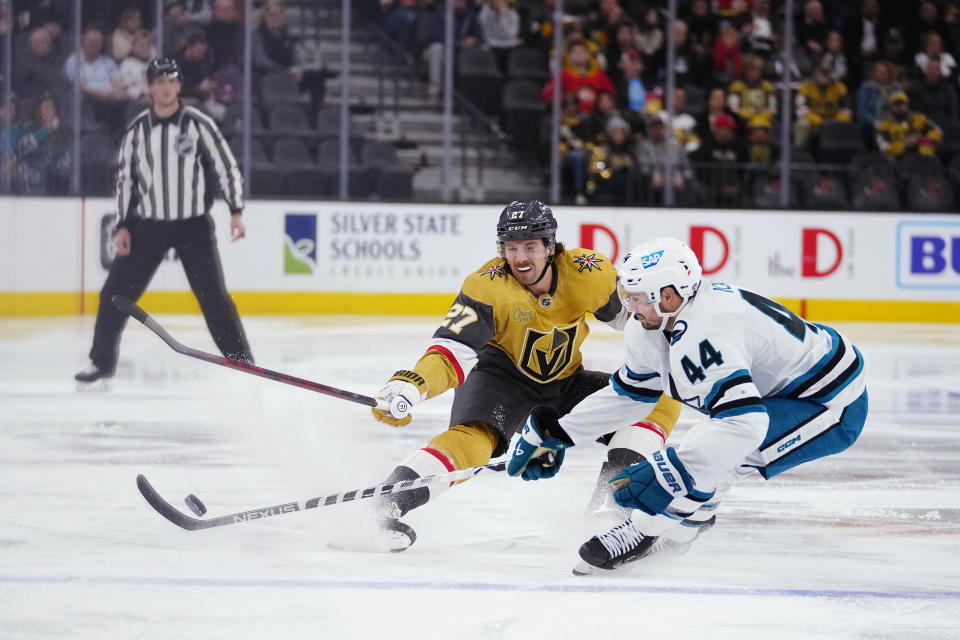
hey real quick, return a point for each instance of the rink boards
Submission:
(387, 258)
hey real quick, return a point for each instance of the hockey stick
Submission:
(190, 523)
(131, 309)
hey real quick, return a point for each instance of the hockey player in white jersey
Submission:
(777, 392)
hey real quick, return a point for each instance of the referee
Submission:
(163, 201)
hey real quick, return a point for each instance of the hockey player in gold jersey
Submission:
(511, 342)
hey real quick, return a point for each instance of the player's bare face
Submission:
(527, 259)
(644, 312)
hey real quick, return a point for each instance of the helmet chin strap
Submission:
(666, 316)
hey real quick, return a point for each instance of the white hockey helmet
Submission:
(659, 263)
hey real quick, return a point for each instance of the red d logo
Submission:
(811, 244)
(698, 240)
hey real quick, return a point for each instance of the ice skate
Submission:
(678, 540)
(94, 378)
(383, 532)
(622, 544)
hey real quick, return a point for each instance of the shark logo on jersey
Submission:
(546, 355)
(651, 259)
(679, 328)
(588, 262)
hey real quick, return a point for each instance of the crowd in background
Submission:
(888, 67)
(117, 41)
(885, 67)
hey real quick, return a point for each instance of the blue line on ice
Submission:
(474, 586)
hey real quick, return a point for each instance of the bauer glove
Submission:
(395, 400)
(538, 452)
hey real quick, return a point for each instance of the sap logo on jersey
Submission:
(651, 259)
(928, 255)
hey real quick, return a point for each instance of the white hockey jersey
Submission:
(729, 349)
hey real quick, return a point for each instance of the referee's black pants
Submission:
(129, 276)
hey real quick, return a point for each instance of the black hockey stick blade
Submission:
(131, 309)
(190, 523)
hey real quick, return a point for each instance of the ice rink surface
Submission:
(863, 545)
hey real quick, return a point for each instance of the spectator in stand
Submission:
(500, 24)
(603, 30)
(719, 161)
(575, 145)
(536, 24)
(582, 76)
(430, 33)
(650, 37)
(604, 108)
(624, 40)
(37, 69)
(933, 50)
(133, 69)
(575, 32)
(684, 124)
(632, 90)
(905, 131)
(612, 176)
(726, 57)
(274, 49)
(653, 154)
(44, 152)
(199, 11)
(400, 18)
(128, 26)
(690, 66)
(935, 97)
(175, 27)
(833, 53)
(926, 20)
(756, 30)
(225, 36)
(99, 79)
(893, 51)
(819, 99)
(716, 105)
(196, 70)
(701, 27)
(759, 149)
(752, 95)
(873, 99)
(812, 29)
(862, 38)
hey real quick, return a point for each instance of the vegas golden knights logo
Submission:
(546, 355)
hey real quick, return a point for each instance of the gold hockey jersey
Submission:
(541, 336)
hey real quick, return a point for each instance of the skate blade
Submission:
(98, 386)
(382, 542)
(585, 569)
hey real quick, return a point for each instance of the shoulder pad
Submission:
(588, 261)
(481, 283)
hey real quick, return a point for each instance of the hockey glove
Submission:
(395, 400)
(538, 452)
(652, 486)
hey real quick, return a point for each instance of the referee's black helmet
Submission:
(163, 67)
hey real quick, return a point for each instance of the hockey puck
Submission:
(195, 505)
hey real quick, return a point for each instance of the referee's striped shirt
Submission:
(164, 165)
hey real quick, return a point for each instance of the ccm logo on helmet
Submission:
(519, 227)
(651, 259)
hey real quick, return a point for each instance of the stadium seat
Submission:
(522, 109)
(914, 164)
(950, 147)
(233, 119)
(873, 191)
(279, 87)
(527, 63)
(289, 119)
(291, 152)
(824, 192)
(872, 162)
(929, 193)
(479, 79)
(328, 122)
(839, 141)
